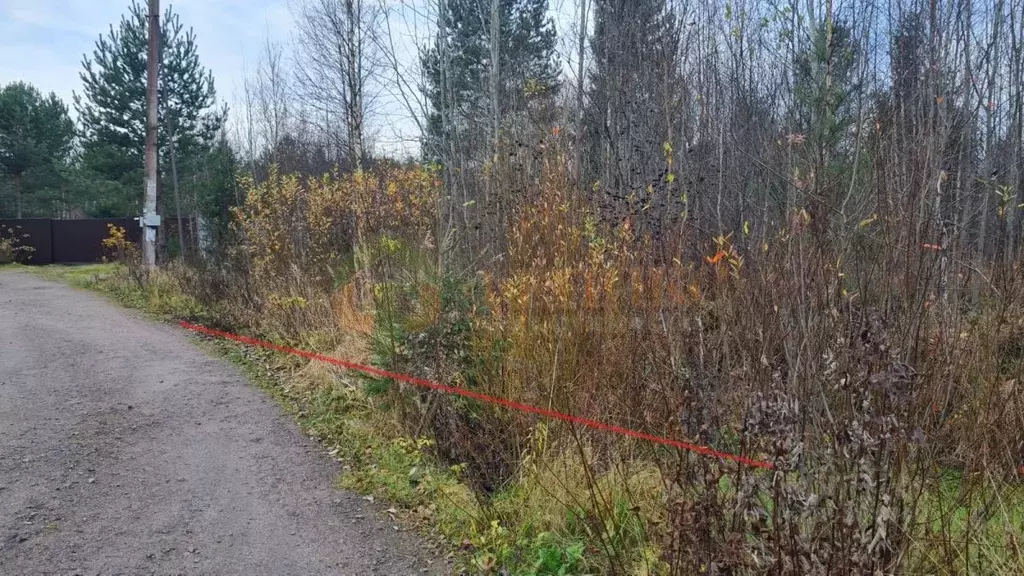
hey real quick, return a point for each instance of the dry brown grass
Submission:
(891, 409)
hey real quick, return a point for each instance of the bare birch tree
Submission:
(272, 97)
(338, 62)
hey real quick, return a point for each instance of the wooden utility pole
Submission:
(150, 217)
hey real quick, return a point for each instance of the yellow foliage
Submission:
(118, 247)
(291, 224)
(297, 234)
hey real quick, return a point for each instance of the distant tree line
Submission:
(55, 168)
(36, 137)
(730, 116)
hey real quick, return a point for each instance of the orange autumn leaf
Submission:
(717, 257)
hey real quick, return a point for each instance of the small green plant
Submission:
(555, 558)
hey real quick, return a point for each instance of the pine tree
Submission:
(825, 84)
(35, 140)
(112, 107)
(213, 191)
(527, 64)
(824, 114)
(632, 101)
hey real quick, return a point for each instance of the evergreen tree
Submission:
(633, 99)
(527, 64)
(212, 191)
(36, 134)
(825, 114)
(112, 108)
(825, 84)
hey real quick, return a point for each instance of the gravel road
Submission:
(124, 449)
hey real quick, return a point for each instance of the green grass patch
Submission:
(160, 296)
(92, 276)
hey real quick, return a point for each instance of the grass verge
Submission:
(509, 530)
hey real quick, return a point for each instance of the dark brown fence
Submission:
(75, 241)
(34, 232)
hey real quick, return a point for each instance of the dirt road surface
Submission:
(124, 449)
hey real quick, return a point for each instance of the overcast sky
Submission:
(42, 41)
